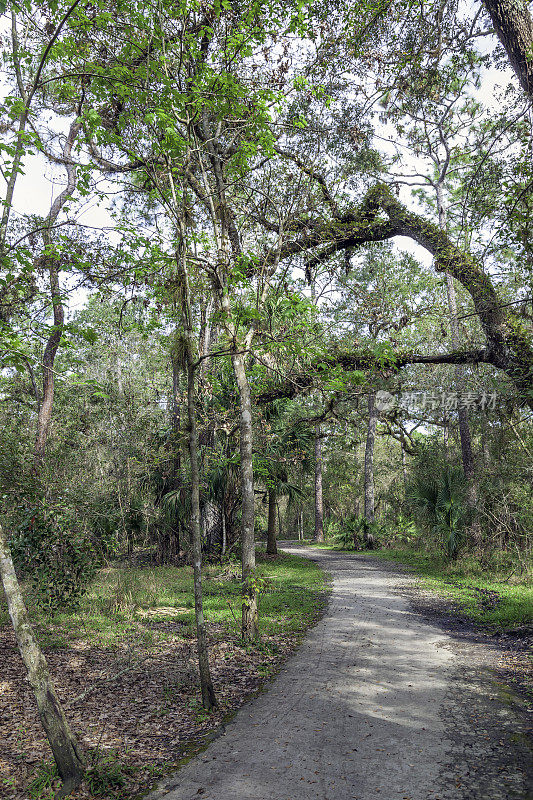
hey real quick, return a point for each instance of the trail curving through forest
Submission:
(377, 703)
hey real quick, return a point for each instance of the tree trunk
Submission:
(319, 503)
(462, 413)
(514, 27)
(446, 436)
(62, 741)
(485, 449)
(177, 480)
(224, 535)
(368, 538)
(404, 467)
(272, 548)
(208, 693)
(44, 418)
(211, 515)
(250, 620)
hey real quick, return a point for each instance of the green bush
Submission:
(332, 528)
(56, 555)
(107, 776)
(400, 529)
(354, 532)
(440, 499)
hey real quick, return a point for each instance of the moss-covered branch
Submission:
(382, 216)
(299, 383)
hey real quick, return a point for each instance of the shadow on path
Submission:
(377, 703)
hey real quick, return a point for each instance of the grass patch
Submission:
(128, 647)
(124, 602)
(486, 595)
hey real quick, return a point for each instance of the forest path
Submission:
(376, 703)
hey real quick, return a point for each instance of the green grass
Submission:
(487, 595)
(123, 603)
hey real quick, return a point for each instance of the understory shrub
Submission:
(54, 552)
(439, 499)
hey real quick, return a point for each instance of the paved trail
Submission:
(377, 703)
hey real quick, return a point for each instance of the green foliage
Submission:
(400, 529)
(44, 781)
(343, 538)
(352, 533)
(440, 500)
(105, 533)
(107, 776)
(115, 607)
(59, 560)
(332, 527)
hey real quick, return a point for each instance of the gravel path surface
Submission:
(377, 703)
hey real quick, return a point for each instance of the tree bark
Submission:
(404, 467)
(208, 693)
(514, 27)
(368, 539)
(177, 480)
(485, 449)
(250, 619)
(319, 503)
(446, 436)
(62, 741)
(211, 515)
(272, 548)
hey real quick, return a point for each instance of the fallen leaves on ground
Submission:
(134, 706)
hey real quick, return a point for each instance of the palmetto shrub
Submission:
(439, 500)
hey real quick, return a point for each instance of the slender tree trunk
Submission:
(62, 741)
(462, 413)
(176, 462)
(368, 539)
(208, 336)
(224, 535)
(404, 467)
(212, 524)
(250, 619)
(271, 548)
(44, 418)
(208, 693)
(485, 444)
(319, 501)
